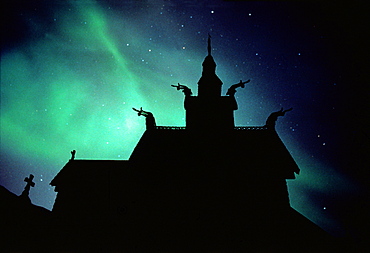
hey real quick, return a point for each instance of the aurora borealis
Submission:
(71, 71)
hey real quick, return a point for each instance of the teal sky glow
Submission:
(72, 82)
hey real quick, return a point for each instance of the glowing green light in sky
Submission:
(74, 90)
(73, 87)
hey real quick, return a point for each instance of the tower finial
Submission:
(271, 120)
(209, 44)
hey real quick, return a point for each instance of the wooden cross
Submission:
(28, 186)
(29, 181)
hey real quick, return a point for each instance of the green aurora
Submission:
(73, 87)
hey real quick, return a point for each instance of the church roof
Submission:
(250, 151)
(255, 151)
(89, 172)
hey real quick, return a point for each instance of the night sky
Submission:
(72, 70)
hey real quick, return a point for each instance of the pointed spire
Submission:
(209, 44)
(209, 85)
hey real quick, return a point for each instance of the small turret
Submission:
(209, 85)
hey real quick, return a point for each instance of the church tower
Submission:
(209, 110)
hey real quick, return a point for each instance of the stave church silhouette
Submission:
(207, 187)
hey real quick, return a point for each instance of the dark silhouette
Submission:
(24, 227)
(186, 90)
(73, 153)
(189, 189)
(209, 84)
(149, 118)
(271, 120)
(186, 189)
(26, 191)
(232, 90)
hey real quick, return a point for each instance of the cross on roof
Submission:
(29, 180)
(28, 186)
